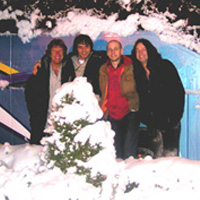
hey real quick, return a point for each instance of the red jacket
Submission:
(126, 92)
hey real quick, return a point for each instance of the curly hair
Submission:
(82, 39)
(56, 42)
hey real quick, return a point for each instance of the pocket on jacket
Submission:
(128, 77)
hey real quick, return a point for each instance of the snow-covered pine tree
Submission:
(80, 143)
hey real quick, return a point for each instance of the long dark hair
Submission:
(82, 39)
(56, 42)
(153, 55)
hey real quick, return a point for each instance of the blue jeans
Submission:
(126, 135)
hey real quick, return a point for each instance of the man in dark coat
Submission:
(161, 96)
(40, 88)
(87, 62)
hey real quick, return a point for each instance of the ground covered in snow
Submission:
(23, 177)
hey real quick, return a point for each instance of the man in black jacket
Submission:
(161, 95)
(40, 88)
(87, 62)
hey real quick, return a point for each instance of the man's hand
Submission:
(35, 67)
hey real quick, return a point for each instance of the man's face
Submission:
(141, 53)
(57, 55)
(114, 51)
(83, 51)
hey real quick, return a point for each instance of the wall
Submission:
(22, 57)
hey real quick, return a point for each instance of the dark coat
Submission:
(92, 68)
(162, 96)
(37, 95)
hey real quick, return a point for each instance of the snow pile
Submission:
(80, 143)
(28, 173)
(162, 178)
(177, 32)
(85, 105)
(3, 84)
(27, 157)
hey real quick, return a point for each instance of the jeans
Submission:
(126, 135)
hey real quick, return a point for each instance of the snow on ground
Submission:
(162, 178)
(25, 175)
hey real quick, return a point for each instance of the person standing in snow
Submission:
(161, 96)
(84, 61)
(120, 101)
(40, 88)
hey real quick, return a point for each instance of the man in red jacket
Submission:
(120, 101)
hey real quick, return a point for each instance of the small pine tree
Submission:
(64, 152)
(80, 144)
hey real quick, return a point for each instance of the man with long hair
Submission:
(161, 95)
(40, 88)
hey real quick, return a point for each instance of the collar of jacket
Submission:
(125, 60)
(120, 62)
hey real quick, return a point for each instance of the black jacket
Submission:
(92, 68)
(162, 96)
(37, 93)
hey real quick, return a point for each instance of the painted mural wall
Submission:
(21, 57)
